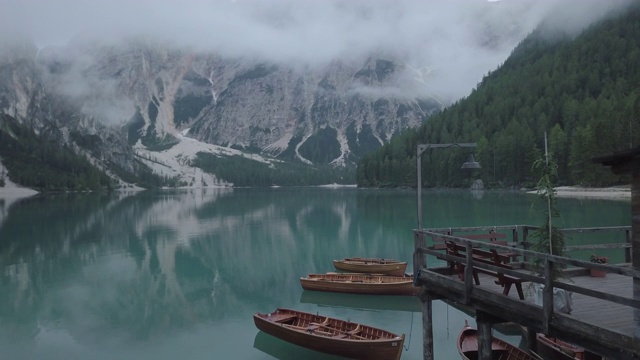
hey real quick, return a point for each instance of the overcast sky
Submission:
(461, 40)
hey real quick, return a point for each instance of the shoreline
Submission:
(12, 191)
(608, 193)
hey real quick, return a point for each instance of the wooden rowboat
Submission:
(329, 335)
(555, 349)
(502, 350)
(355, 283)
(371, 266)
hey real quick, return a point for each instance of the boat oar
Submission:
(353, 332)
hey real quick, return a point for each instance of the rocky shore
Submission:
(613, 193)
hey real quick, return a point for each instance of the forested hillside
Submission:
(40, 162)
(37, 162)
(583, 91)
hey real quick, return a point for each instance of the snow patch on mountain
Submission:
(281, 144)
(177, 161)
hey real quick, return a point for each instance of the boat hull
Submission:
(302, 329)
(468, 347)
(371, 266)
(354, 283)
(554, 349)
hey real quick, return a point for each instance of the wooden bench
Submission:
(493, 239)
(491, 257)
(492, 236)
(439, 242)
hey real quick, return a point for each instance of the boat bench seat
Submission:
(285, 318)
(315, 326)
(355, 331)
(352, 333)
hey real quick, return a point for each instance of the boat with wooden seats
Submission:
(468, 347)
(330, 335)
(371, 266)
(556, 349)
(356, 283)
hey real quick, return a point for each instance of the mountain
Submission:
(294, 95)
(237, 103)
(580, 89)
(46, 142)
(137, 107)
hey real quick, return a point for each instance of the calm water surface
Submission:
(178, 275)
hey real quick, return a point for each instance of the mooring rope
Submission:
(407, 346)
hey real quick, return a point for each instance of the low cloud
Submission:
(458, 40)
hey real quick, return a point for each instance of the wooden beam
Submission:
(484, 340)
(532, 341)
(596, 338)
(547, 296)
(419, 259)
(427, 329)
(489, 317)
(530, 315)
(635, 240)
(622, 162)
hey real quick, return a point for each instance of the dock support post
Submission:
(532, 342)
(484, 336)
(419, 259)
(547, 296)
(485, 323)
(635, 240)
(627, 251)
(427, 325)
(525, 242)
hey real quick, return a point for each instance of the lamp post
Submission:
(469, 164)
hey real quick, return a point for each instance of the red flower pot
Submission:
(597, 273)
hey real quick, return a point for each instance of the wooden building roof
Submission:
(622, 162)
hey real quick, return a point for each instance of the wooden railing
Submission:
(541, 275)
(520, 236)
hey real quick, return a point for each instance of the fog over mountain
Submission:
(312, 82)
(459, 40)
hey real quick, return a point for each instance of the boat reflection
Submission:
(366, 302)
(283, 350)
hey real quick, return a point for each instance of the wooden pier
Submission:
(604, 317)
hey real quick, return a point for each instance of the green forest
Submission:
(39, 162)
(583, 92)
(242, 171)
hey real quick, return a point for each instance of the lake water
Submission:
(178, 274)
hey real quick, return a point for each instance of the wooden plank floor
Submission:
(601, 312)
(597, 312)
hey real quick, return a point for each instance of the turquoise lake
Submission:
(178, 274)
